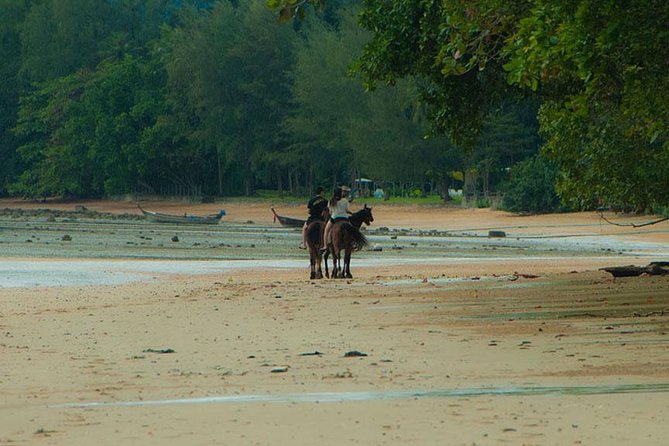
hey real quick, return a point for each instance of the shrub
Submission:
(531, 187)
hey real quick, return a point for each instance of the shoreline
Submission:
(481, 341)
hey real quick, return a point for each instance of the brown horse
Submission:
(315, 233)
(346, 236)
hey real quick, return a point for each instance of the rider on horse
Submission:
(317, 207)
(339, 211)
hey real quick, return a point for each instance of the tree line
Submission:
(217, 98)
(599, 69)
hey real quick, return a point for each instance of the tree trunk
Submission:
(469, 188)
(444, 188)
(486, 178)
(248, 186)
(279, 180)
(220, 173)
(297, 182)
(310, 181)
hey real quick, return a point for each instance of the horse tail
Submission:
(358, 239)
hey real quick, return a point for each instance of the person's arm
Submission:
(348, 210)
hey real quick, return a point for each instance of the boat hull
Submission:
(182, 219)
(288, 221)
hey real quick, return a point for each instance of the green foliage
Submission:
(217, 97)
(12, 15)
(85, 130)
(62, 36)
(662, 211)
(531, 187)
(451, 47)
(227, 84)
(336, 124)
(599, 67)
(602, 68)
(328, 103)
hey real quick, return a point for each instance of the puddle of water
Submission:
(29, 274)
(336, 397)
(65, 272)
(63, 277)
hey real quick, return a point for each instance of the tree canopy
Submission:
(600, 70)
(217, 97)
(205, 98)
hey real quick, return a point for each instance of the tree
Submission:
(12, 14)
(327, 101)
(508, 135)
(53, 165)
(61, 36)
(341, 129)
(84, 131)
(600, 69)
(531, 187)
(226, 78)
(88, 92)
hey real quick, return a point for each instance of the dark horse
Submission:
(346, 236)
(315, 233)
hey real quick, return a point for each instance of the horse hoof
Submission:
(319, 275)
(348, 276)
(312, 276)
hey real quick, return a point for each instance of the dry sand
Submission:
(529, 352)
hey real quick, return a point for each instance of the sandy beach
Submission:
(444, 337)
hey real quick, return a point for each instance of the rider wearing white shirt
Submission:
(338, 210)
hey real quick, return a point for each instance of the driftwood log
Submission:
(652, 269)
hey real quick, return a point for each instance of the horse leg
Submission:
(347, 264)
(319, 261)
(325, 259)
(335, 264)
(319, 253)
(312, 263)
(340, 265)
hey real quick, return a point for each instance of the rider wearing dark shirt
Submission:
(317, 206)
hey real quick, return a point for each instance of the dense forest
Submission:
(215, 98)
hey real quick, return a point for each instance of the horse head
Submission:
(367, 216)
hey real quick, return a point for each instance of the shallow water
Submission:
(79, 272)
(145, 250)
(336, 397)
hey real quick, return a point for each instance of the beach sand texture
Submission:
(460, 341)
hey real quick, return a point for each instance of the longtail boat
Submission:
(211, 219)
(288, 221)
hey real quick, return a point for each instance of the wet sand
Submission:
(471, 347)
